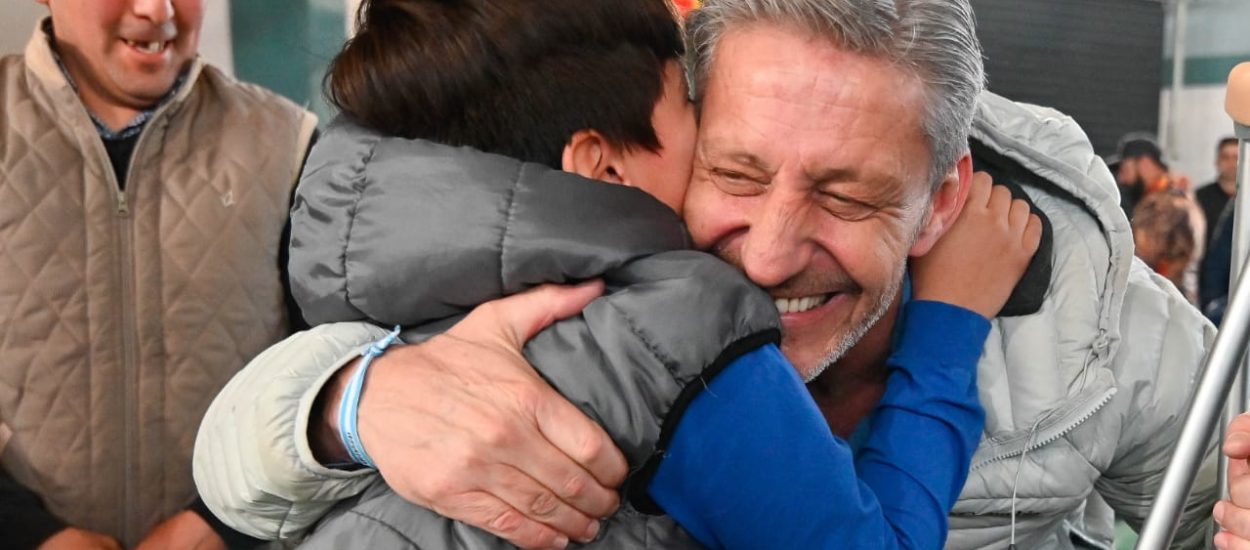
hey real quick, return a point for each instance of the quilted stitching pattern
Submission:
(43, 331)
(205, 226)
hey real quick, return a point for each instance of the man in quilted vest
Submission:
(143, 196)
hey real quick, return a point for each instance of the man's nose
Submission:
(156, 11)
(777, 246)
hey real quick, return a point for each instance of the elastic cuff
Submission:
(304, 415)
(234, 540)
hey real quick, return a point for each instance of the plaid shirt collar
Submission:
(132, 128)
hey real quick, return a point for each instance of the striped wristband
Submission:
(350, 404)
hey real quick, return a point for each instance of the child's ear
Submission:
(590, 155)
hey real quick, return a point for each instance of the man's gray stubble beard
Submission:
(857, 333)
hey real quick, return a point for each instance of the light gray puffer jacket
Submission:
(411, 233)
(1093, 386)
(1084, 399)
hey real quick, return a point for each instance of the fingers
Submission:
(582, 440)
(1032, 234)
(498, 518)
(1237, 447)
(1237, 467)
(538, 503)
(979, 194)
(524, 315)
(1018, 215)
(1239, 490)
(1000, 199)
(1227, 541)
(1236, 523)
(563, 477)
(1237, 441)
(575, 464)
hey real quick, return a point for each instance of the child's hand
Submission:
(978, 262)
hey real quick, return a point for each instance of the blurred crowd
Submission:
(1181, 230)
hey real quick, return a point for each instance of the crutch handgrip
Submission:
(1237, 102)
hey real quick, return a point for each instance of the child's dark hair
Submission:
(514, 77)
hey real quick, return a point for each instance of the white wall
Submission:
(1201, 125)
(215, 44)
(18, 18)
(350, 9)
(1216, 28)
(16, 24)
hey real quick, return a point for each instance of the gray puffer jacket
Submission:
(416, 234)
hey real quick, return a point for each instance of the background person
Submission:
(1214, 196)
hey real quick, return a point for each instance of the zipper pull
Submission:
(123, 206)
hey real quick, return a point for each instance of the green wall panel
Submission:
(1204, 71)
(285, 45)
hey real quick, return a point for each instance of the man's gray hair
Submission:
(933, 39)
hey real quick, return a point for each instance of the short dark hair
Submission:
(513, 77)
(1225, 142)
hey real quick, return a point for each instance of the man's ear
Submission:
(945, 205)
(590, 155)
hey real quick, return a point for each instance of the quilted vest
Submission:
(123, 313)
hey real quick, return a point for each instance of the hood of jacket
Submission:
(1084, 396)
(1069, 342)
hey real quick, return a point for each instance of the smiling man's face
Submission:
(811, 175)
(125, 53)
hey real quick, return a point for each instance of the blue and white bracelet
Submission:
(350, 404)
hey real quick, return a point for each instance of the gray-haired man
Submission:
(806, 176)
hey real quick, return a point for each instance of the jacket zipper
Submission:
(129, 333)
(130, 365)
(1054, 435)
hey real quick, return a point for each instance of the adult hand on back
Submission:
(1234, 514)
(463, 425)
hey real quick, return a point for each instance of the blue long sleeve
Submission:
(753, 464)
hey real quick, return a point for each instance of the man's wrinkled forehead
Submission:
(822, 104)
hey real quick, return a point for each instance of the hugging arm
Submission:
(262, 456)
(753, 464)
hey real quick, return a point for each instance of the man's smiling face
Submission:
(126, 53)
(811, 175)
